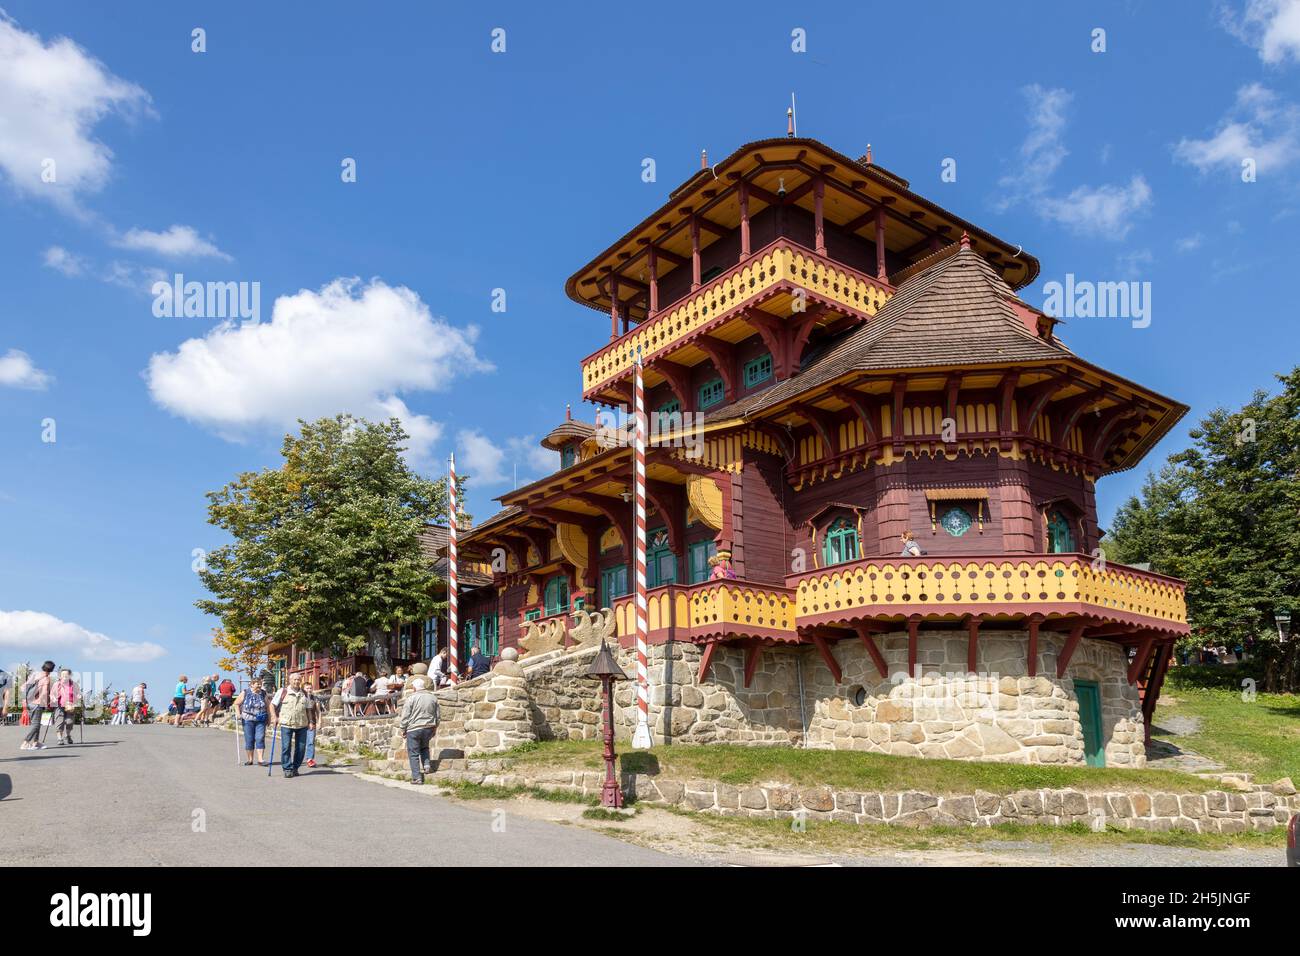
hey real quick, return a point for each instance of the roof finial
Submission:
(965, 239)
(704, 159)
(789, 121)
(568, 411)
(868, 154)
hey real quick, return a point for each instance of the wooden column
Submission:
(695, 252)
(744, 219)
(972, 643)
(913, 625)
(819, 221)
(653, 260)
(880, 242)
(613, 307)
(1032, 664)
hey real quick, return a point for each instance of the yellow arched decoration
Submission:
(573, 545)
(706, 498)
(532, 594)
(610, 540)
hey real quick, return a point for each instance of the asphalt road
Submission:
(155, 795)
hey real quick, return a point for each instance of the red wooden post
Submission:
(613, 307)
(654, 279)
(827, 656)
(706, 659)
(913, 624)
(744, 219)
(880, 241)
(819, 222)
(751, 661)
(1141, 658)
(695, 252)
(973, 632)
(1032, 668)
(864, 633)
(1076, 633)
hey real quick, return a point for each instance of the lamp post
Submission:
(607, 670)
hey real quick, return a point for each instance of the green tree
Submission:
(326, 549)
(1225, 516)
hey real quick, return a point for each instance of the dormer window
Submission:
(711, 393)
(758, 370)
(841, 543)
(568, 455)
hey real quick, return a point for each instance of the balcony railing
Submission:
(711, 610)
(1014, 585)
(780, 264)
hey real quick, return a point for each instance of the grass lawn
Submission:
(1261, 736)
(849, 770)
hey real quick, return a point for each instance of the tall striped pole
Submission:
(453, 628)
(641, 736)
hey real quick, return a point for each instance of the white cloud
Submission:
(52, 95)
(1272, 27)
(45, 635)
(1108, 210)
(490, 464)
(345, 348)
(178, 242)
(61, 260)
(18, 371)
(1190, 243)
(1259, 126)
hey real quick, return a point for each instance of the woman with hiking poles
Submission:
(250, 705)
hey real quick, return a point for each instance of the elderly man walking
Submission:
(291, 710)
(419, 724)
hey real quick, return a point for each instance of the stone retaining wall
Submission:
(1217, 811)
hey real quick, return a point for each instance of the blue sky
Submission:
(479, 170)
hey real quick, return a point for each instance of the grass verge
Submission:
(1258, 734)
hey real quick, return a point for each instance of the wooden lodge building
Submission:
(832, 360)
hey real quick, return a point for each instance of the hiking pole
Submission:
(239, 738)
(270, 756)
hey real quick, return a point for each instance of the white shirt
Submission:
(380, 687)
(137, 693)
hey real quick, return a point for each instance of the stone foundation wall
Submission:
(998, 713)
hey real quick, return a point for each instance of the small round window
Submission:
(956, 521)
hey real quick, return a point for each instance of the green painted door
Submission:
(1090, 719)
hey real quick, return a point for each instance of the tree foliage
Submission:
(326, 548)
(1224, 515)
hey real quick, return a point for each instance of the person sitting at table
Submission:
(380, 687)
(477, 665)
(398, 680)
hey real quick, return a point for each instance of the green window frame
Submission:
(613, 584)
(956, 521)
(487, 635)
(660, 562)
(698, 555)
(711, 393)
(758, 370)
(556, 595)
(841, 542)
(430, 638)
(568, 455)
(533, 615)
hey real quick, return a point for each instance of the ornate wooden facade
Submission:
(833, 361)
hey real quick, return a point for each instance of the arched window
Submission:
(556, 595)
(1060, 539)
(841, 542)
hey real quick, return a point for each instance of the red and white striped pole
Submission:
(453, 628)
(641, 736)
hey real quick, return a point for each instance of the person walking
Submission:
(319, 703)
(36, 693)
(137, 702)
(291, 712)
(419, 725)
(65, 696)
(225, 693)
(251, 706)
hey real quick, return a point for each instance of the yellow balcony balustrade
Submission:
(782, 265)
(1012, 585)
(711, 610)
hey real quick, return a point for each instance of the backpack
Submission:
(31, 690)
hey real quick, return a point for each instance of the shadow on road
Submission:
(6, 786)
(37, 756)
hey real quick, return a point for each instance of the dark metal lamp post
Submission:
(607, 670)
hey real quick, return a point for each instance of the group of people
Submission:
(130, 708)
(42, 692)
(209, 697)
(293, 713)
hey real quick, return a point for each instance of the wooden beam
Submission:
(1032, 664)
(869, 642)
(880, 244)
(972, 643)
(824, 650)
(706, 659)
(825, 426)
(679, 381)
(867, 414)
(1141, 659)
(751, 660)
(913, 625)
(1067, 652)
(695, 252)
(723, 356)
(743, 196)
